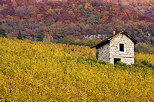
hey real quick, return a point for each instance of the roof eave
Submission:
(101, 44)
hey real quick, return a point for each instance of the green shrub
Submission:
(75, 41)
(146, 63)
(20, 36)
(2, 33)
(144, 48)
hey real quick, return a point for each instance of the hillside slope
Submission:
(138, 5)
(77, 18)
(40, 72)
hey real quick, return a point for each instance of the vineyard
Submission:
(43, 72)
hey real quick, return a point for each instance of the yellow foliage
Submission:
(87, 5)
(43, 72)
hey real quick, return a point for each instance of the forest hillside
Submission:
(56, 19)
(43, 72)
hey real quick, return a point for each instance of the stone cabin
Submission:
(119, 47)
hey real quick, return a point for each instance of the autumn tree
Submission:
(2, 33)
(40, 37)
(20, 36)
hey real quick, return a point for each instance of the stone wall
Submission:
(103, 53)
(129, 61)
(128, 55)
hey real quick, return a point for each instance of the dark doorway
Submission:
(117, 60)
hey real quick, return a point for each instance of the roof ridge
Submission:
(107, 40)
